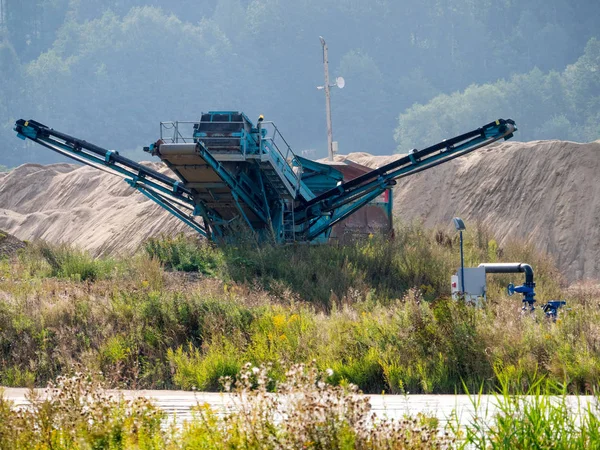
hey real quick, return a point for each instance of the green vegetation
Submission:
(77, 413)
(537, 418)
(561, 105)
(184, 254)
(267, 53)
(377, 312)
(47, 261)
(313, 323)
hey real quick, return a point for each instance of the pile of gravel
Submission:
(9, 245)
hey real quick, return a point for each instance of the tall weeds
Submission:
(305, 412)
(541, 416)
(376, 312)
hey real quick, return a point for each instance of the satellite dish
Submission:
(340, 82)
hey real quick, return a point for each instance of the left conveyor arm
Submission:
(166, 191)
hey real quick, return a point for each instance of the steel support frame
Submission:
(169, 188)
(318, 213)
(325, 223)
(164, 203)
(232, 183)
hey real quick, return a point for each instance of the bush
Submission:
(302, 410)
(185, 254)
(541, 416)
(376, 312)
(42, 259)
(77, 413)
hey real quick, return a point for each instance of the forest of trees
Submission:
(416, 71)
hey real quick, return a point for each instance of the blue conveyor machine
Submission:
(233, 175)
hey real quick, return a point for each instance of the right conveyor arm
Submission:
(328, 208)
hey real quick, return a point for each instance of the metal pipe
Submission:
(528, 288)
(510, 268)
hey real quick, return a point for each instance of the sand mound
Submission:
(81, 206)
(545, 191)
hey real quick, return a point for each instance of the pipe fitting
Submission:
(528, 288)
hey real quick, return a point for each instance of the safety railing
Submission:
(273, 140)
(272, 137)
(172, 132)
(174, 129)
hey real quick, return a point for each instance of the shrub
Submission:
(541, 416)
(376, 312)
(198, 371)
(75, 414)
(45, 260)
(317, 415)
(185, 254)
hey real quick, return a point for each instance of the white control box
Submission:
(475, 285)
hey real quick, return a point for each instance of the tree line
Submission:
(110, 71)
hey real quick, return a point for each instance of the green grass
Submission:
(539, 417)
(42, 260)
(377, 312)
(185, 254)
(77, 413)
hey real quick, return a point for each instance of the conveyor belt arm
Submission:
(167, 192)
(328, 208)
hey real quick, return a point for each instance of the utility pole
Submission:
(340, 83)
(327, 101)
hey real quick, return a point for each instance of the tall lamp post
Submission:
(460, 227)
(339, 82)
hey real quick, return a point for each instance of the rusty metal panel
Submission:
(373, 218)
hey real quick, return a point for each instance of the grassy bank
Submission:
(182, 314)
(77, 413)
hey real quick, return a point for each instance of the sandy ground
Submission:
(545, 191)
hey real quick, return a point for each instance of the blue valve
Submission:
(528, 291)
(551, 308)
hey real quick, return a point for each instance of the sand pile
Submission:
(79, 205)
(546, 191)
